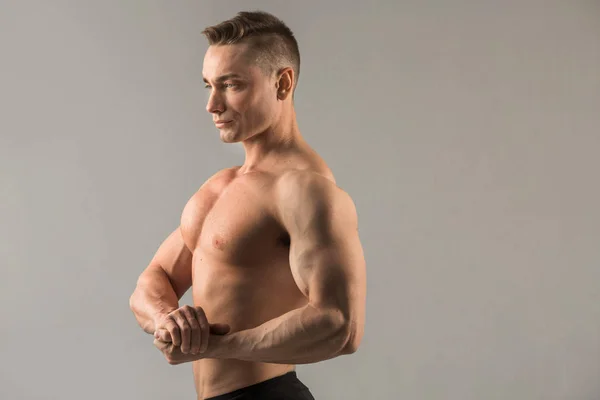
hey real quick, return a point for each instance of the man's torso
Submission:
(240, 268)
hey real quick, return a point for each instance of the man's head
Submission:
(251, 69)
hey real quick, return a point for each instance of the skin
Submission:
(270, 248)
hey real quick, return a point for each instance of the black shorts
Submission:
(284, 387)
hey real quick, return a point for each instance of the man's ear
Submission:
(285, 83)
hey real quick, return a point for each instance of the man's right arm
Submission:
(163, 282)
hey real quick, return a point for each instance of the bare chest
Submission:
(235, 224)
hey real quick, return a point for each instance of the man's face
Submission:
(239, 93)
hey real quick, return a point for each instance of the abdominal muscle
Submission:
(241, 296)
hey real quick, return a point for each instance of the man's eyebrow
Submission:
(223, 77)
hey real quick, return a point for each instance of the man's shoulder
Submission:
(305, 198)
(301, 180)
(296, 187)
(219, 179)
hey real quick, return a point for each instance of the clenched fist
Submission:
(187, 328)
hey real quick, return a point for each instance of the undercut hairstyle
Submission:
(271, 43)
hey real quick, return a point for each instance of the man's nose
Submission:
(215, 104)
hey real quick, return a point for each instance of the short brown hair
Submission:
(271, 41)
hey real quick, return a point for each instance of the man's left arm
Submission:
(328, 265)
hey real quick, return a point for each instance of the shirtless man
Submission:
(270, 248)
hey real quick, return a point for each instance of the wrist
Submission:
(220, 347)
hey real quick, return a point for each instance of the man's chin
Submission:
(229, 138)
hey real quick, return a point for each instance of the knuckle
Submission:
(205, 329)
(180, 317)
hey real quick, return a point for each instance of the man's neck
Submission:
(267, 148)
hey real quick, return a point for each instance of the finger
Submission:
(219, 329)
(160, 344)
(184, 330)
(163, 335)
(195, 333)
(174, 331)
(204, 327)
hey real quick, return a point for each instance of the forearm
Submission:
(302, 336)
(153, 296)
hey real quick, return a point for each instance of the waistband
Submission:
(288, 379)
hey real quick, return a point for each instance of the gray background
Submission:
(467, 133)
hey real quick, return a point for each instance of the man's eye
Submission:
(225, 85)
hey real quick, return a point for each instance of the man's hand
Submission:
(173, 353)
(185, 330)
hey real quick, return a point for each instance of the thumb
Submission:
(163, 335)
(219, 329)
